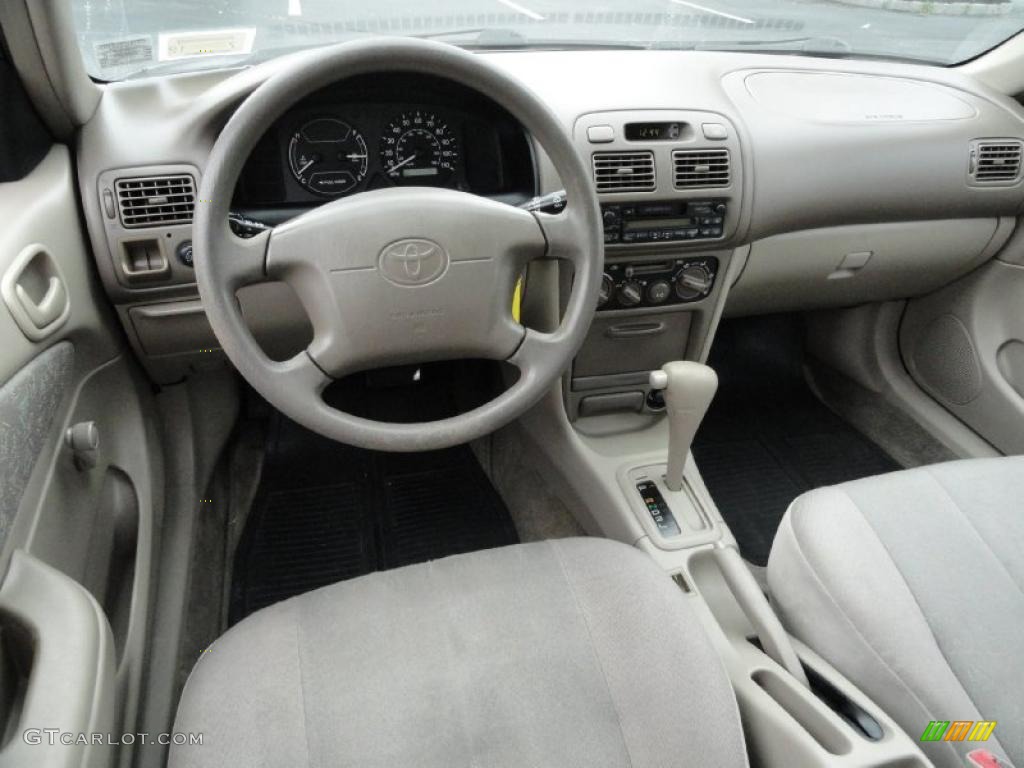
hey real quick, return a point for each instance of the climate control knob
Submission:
(694, 281)
(607, 288)
(630, 293)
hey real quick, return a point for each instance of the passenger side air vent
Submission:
(995, 162)
(156, 200)
(624, 171)
(701, 168)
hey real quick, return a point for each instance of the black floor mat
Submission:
(325, 512)
(767, 438)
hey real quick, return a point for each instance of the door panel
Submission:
(77, 520)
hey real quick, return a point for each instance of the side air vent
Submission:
(156, 200)
(699, 168)
(995, 162)
(624, 171)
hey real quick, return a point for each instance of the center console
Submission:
(670, 184)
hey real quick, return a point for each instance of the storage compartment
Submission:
(636, 343)
(15, 668)
(841, 266)
(174, 328)
(794, 700)
(57, 663)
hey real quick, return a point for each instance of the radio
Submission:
(666, 221)
(655, 284)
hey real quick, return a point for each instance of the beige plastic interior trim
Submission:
(785, 723)
(71, 682)
(44, 49)
(1000, 68)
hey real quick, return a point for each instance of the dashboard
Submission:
(780, 184)
(368, 134)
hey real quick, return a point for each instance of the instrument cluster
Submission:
(397, 129)
(333, 154)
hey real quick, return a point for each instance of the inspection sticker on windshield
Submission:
(213, 42)
(121, 53)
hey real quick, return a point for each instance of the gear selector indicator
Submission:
(660, 513)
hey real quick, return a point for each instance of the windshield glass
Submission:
(125, 38)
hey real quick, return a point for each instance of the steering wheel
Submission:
(402, 275)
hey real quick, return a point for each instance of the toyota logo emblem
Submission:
(413, 261)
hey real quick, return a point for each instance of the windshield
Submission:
(125, 38)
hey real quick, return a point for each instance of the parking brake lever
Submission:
(746, 590)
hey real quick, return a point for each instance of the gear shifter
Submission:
(689, 388)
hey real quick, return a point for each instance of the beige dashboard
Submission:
(845, 182)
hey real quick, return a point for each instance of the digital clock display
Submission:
(655, 131)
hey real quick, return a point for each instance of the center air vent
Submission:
(698, 168)
(994, 162)
(624, 171)
(156, 200)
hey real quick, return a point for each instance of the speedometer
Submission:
(417, 147)
(327, 156)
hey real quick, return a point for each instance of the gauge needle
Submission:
(302, 170)
(355, 156)
(398, 165)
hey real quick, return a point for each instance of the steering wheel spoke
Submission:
(242, 261)
(538, 354)
(564, 235)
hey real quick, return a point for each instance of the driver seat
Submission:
(577, 652)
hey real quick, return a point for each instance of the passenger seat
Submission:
(912, 585)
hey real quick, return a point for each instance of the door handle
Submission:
(49, 307)
(36, 270)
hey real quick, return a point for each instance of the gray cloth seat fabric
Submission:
(912, 585)
(578, 652)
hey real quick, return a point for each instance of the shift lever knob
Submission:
(689, 388)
